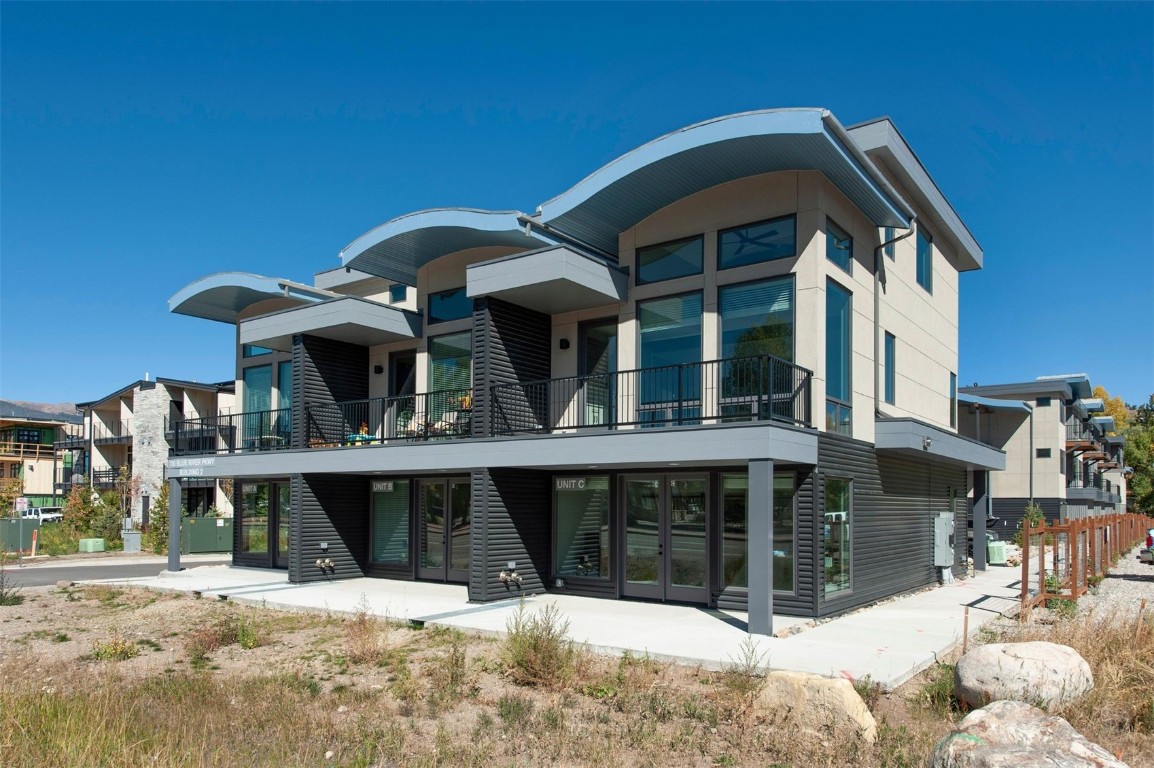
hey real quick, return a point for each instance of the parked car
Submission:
(44, 514)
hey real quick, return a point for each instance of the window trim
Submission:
(637, 259)
(720, 232)
(829, 222)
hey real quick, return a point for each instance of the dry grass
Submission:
(366, 637)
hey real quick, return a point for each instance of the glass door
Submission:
(283, 515)
(445, 516)
(265, 520)
(598, 349)
(666, 537)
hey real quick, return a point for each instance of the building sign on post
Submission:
(21, 505)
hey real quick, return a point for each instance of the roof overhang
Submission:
(1105, 423)
(994, 404)
(645, 180)
(349, 319)
(1093, 404)
(881, 139)
(398, 248)
(1016, 390)
(551, 280)
(1079, 384)
(225, 295)
(916, 439)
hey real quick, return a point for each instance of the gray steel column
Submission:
(760, 547)
(981, 513)
(174, 503)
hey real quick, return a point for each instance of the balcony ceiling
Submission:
(645, 180)
(551, 280)
(398, 248)
(224, 295)
(349, 319)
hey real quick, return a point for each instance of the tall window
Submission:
(451, 362)
(836, 534)
(891, 362)
(838, 246)
(258, 388)
(838, 359)
(669, 344)
(735, 537)
(925, 260)
(669, 260)
(757, 318)
(453, 304)
(390, 535)
(284, 384)
(889, 249)
(954, 400)
(582, 526)
(755, 243)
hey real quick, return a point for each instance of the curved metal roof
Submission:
(398, 248)
(224, 295)
(641, 182)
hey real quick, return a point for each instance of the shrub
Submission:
(939, 689)
(537, 650)
(745, 673)
(115, 648)
(365, 636)
(1035, 515)
(8, 595)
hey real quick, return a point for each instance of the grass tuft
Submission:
(537, 650)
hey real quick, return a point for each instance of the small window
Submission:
(28, 435)
(449, 305)
(891, 375)
(889, 249)
(925, 260)
(755, 243)
(669, 260)
(398, 293)
(838, 246)
(252, 350)
(1042, 402)
(1042, 453)
(954, 400)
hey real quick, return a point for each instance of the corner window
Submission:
(889, 249)
(890, 362)
(838, 359)
(449, 305)
(838, 246)
(679, 258)
(836, 535)
(954, 400)
(582, 526)
(398, 292)
(755, 243)
(925, 260)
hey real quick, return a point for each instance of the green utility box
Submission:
(16, 534)
(996, 553)
(205, 534)
(92, 545)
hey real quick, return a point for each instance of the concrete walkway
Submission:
(890, 642)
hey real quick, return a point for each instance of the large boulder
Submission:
(1012, 734)
(1040, 673)
(815, 704)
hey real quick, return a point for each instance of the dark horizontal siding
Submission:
(511, 522)
(1010, 513)
(510, 344)
(333, 509)
(326, 371)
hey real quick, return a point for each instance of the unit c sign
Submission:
(569, 483)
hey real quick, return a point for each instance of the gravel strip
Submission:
(1123, 589)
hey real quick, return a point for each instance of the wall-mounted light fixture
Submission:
(926, 443)
(378, 369)
(564, 343)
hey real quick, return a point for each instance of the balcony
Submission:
(111, 432)
(233, 433)
(26, 451)
(1079, 437)
(72, 437)
(105, 477)
(443, 415)
(715, 392)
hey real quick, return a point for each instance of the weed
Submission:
(870, 691)
(144, 642)
(8, 595)
(537, 650)
(514, 710)
(939, 690)
(365, 636)
(115, 648)
(229, 630)
(60, 637)
(745, 673)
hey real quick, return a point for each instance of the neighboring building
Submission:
(133, 428)
(28, 457)
(719, 370)
(1058, 452)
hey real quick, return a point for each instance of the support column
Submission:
(981, 513)
(174, 504)
(759, 554)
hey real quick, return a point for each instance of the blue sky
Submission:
(145, 145)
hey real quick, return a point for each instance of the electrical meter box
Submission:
(944, 540)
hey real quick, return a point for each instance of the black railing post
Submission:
(680, 394)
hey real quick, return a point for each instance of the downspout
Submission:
(1031, 455)
(565, 238)
(878, 262)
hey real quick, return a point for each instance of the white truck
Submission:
(43, 514)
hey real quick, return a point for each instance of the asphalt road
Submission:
(39, 575)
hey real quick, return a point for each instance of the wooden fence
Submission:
(1066, 556)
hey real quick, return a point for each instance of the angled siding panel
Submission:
(510, 344)
(326, 371)
(333, 509)
(512, 524)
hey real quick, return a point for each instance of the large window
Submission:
(836, 534)
(284, 384)
(669, 344)
(448, 305)
(257, 388)
(757, 318)
(669, 260)
(582, 529)
(891, 374)
(254, 518)
(838, 359)
(735, 526)
(390, 522)
(925, 260)
(838, 246)
(450, 362)
(755, 243)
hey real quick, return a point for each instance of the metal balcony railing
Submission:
(233, 433)
(105, 477)
(112, 431)
(762, 388)
(445, 414)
